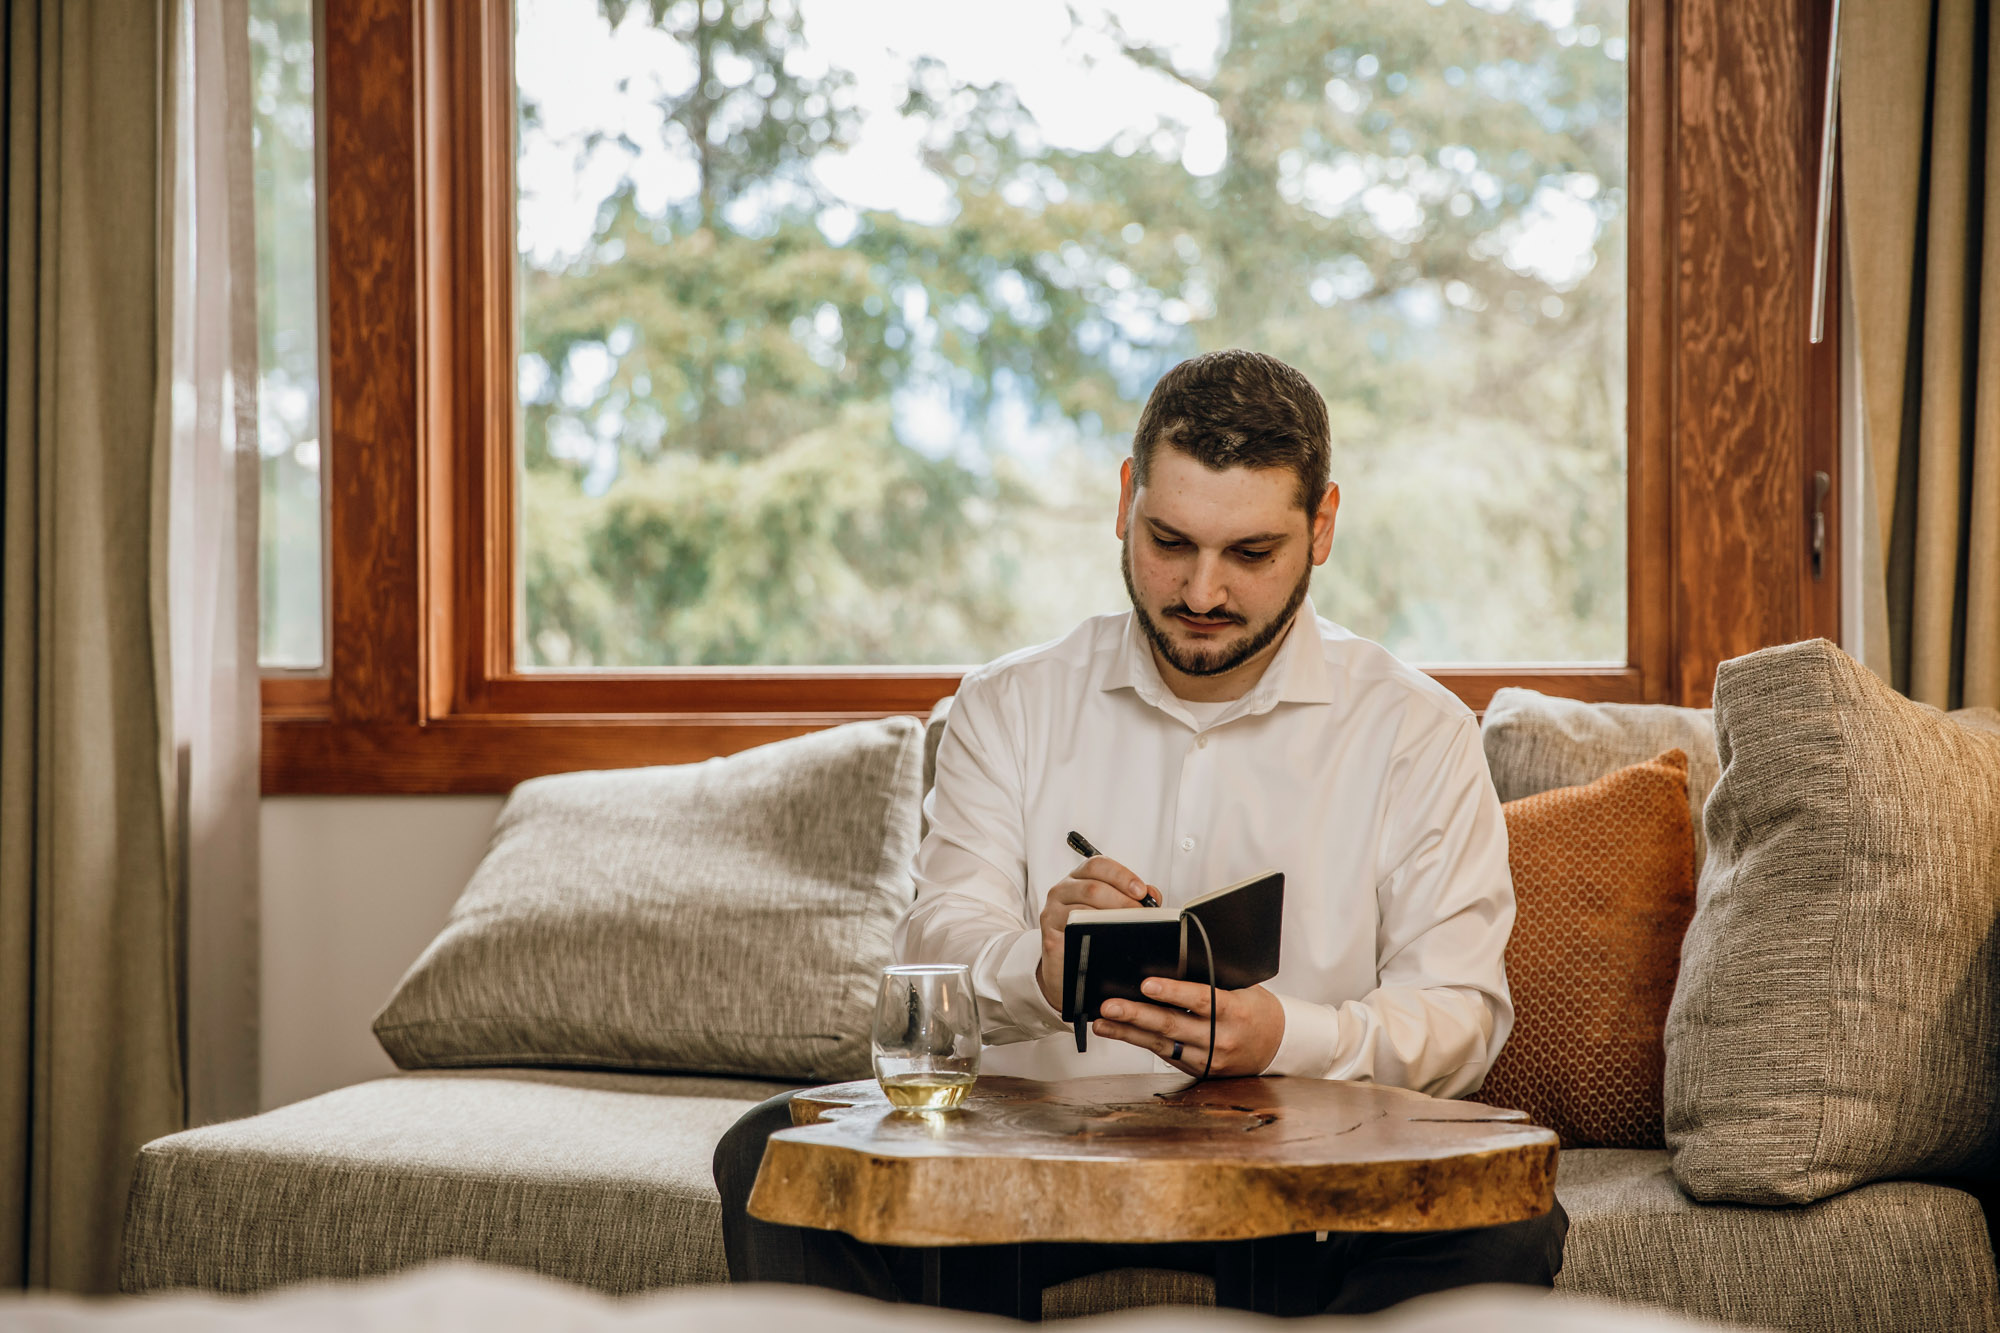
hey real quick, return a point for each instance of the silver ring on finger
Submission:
(1177, 1052)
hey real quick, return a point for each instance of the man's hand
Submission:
(1098, 882)
(1249, 1025)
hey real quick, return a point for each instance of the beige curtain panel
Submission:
(90, 1046)
(1920, 134)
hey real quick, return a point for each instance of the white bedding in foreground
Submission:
(474, 1298)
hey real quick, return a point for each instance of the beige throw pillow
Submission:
(1538, 742)
(1835, 1017)
(727, 917)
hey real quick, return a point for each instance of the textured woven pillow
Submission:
(1537, 742)
(727, 917)
(1603, 889)
(1835, 1021)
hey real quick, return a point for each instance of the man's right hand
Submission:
(1098, 882)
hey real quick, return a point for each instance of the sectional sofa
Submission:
(1833, 1052)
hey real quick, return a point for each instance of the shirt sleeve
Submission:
(972, 904)
(1440, 1011)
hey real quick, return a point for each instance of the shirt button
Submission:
(1187, 844)
(1201, 742)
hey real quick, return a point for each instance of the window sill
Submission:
(307, 750)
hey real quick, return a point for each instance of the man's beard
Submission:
(1219, 660)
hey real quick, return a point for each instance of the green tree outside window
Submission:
(763, 424)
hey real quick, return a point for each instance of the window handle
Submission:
(1821, 485)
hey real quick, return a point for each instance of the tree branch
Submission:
(1139, 53)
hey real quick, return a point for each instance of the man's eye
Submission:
(1252, 555)
(1168, 544)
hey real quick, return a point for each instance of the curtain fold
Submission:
(209, 339)
(90, 1051)
(1920, 125)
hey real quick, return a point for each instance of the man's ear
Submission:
(1329, 505)
(1124, 497)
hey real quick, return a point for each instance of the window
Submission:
(282, 126)
(442, 674)
(837, 315)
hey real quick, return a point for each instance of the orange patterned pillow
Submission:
(1604, 887)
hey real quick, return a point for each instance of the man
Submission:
(1217, 729)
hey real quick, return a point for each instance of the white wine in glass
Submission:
(926, 1036)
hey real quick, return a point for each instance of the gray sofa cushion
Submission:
(1538, 742)
(1896, 1257)
(1126, 1289)
(601, 1179)
(727, 917)
(1835, 1020)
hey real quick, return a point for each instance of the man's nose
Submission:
(1205, 591)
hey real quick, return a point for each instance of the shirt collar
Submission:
(1298, 674)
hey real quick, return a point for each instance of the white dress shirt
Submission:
(1357, 776)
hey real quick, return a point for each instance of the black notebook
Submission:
(1106, 954)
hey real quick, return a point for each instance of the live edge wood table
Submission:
(1253, 1165)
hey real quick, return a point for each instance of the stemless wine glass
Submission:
(926, 1037)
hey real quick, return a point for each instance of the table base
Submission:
(1273, 1275)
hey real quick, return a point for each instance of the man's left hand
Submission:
(1249, 1025)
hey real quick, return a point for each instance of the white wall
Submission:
(353, 888)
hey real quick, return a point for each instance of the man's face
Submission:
(1217, 563)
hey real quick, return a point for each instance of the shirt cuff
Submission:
(1023, 1006)
(1311, 1040)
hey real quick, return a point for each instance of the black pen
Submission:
(1081, 846)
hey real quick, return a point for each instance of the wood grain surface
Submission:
(1149, 1158)
(370, 464)
(1749, 432)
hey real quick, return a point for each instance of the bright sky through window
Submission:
(595, 133)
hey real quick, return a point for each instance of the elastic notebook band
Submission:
(1209, 1063)
(1082, 971)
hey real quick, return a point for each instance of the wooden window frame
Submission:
(1730, 414)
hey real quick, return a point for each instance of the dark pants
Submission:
(1354, 1273)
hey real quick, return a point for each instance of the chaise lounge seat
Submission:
(598, 1178)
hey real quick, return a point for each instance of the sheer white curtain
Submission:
(209, 419)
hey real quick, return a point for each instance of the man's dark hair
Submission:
(1234, 408)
